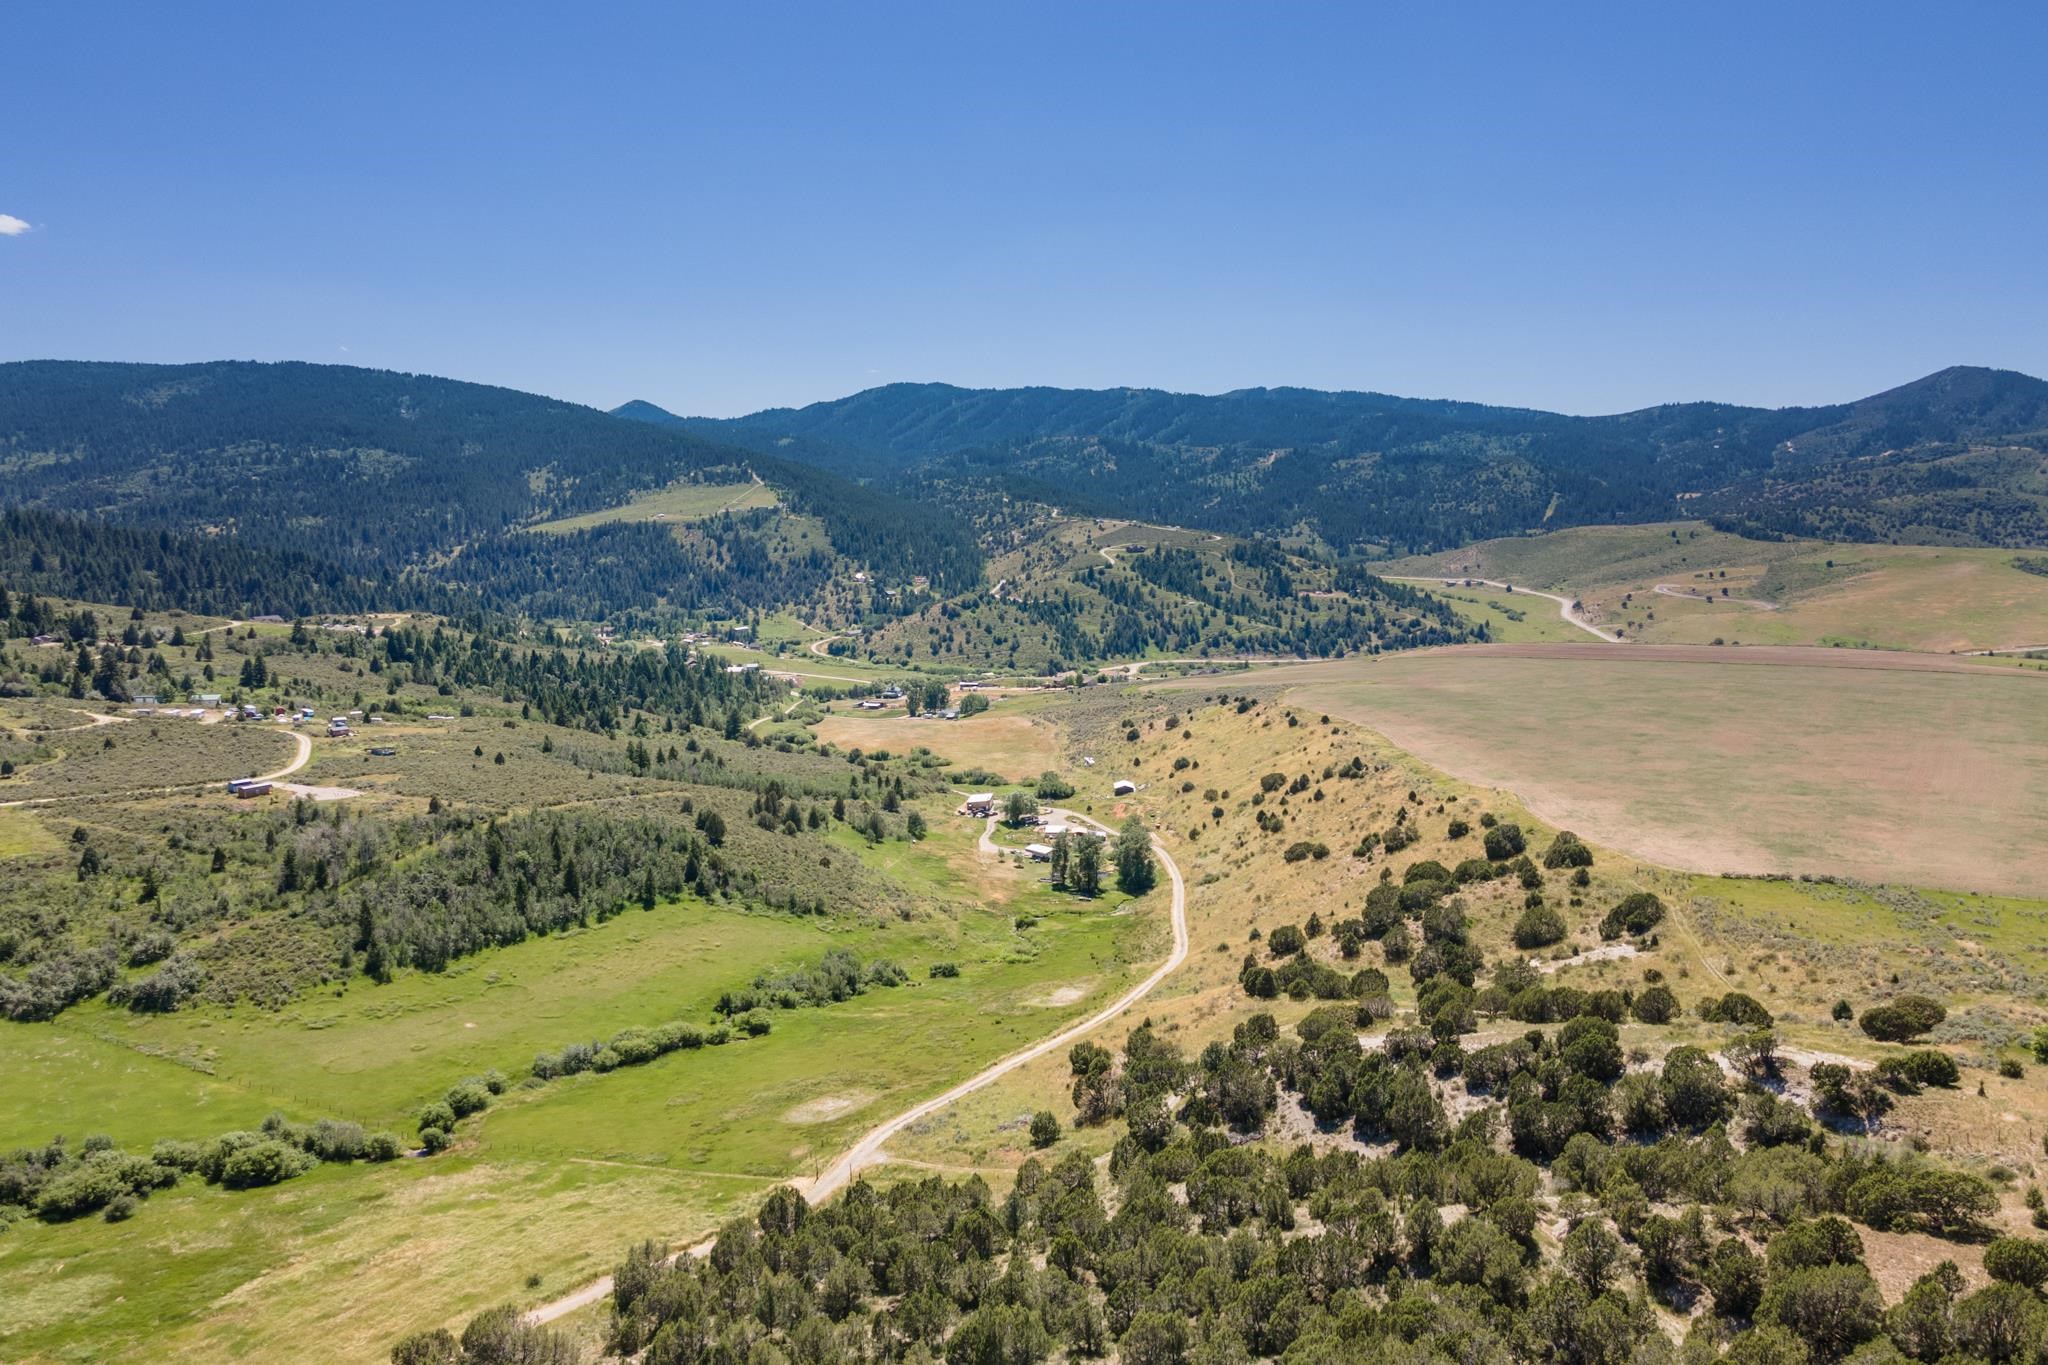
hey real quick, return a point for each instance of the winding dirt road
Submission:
(1566, 607)
(868, 1151)
(1672, 590)
(299, 760)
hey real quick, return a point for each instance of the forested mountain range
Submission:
(379, 474)
(1960, 456)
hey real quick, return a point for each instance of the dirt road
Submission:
(1671, 590)
(868, 1151)
(1566, 607)
(300, 760)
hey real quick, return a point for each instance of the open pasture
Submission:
(1934, 598)
(1002, 739)
(553, 1179)
(1884, 768)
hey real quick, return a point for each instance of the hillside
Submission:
(1687, 583)
(380, 473)
(1958, 457)
(1071, 591)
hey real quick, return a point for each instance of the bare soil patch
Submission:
(827, 1107)
(1065, 995)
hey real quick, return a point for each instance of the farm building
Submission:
(1039, 853)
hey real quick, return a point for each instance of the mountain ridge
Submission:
(1957, 455)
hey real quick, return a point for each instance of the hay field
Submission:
(1001, 739)
(1878, 767)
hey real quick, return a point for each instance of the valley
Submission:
(615, 887)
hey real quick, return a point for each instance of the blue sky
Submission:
(1580, 207)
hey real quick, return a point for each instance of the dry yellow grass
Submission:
(1881, 767)
(1017, 745)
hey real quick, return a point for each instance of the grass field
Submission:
(1937, 778)
(677, 502)
(1939, 599)
(1002, 739)
(1510, 618)
(554, 1181)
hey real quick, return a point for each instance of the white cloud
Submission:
(10, 226)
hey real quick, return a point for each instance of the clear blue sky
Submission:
(1581, 207)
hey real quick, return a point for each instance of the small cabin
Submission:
(1123, 786)
(981, 803)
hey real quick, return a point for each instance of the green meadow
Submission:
(540, 1191)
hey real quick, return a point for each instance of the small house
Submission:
(1123, 786)
(1039, 853)
(980, 803)
(1054, 831)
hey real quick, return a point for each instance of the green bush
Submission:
(1913, 1070)
(1286, 941)
(1657, 1005)
(1539, 927)
(264, 1163)
(1567, 850)
(1504, 841)
(1907, 1016)
(1636, 914)
(1052, 787)
(466, 1098)
(1735, 1008)
(2017, 1260)
(1474, 870)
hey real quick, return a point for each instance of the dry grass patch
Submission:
(1003, 741)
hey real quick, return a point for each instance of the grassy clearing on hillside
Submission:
(1932, 778)
(678, 502)
(1939, 599)
(1583, 557)
(1002, 739)
(1510, 618)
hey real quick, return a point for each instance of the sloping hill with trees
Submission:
(1960, 456)
(381, 473)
